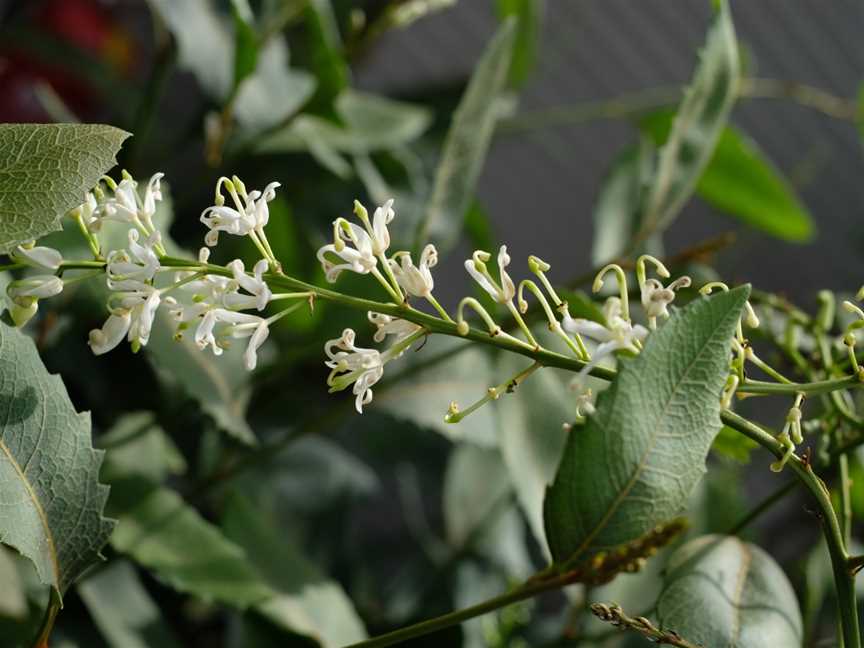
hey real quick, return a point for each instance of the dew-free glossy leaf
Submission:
(468, 140)
(740, 181)
(618, 209)
(306, 601)
(698, 123)
(123, 610)
(50, 495)
(635, 462)
(245, 40)
(45, 170)
(525, 50)
(167, 536)
(721, 591)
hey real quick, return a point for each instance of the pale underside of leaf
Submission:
(50, 496)
(46, 170)
(635, 462)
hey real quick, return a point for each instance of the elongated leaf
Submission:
(50, 494)
(371, 123)
(123, 610)
(618, 210)
(138, 446)
(467, 141)
(45, 170)
(203, 40)
(245, 41)
(167, 536)
(698, 123)
(306, 602)
(635, 462)
(720, 591)
(525, 50)
(740, 181)
(531, 436)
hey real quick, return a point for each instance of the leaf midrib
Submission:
(39, 510)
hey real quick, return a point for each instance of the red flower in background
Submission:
(82, 24)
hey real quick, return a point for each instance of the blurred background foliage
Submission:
(499, 121)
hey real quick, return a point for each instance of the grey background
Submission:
(539, 187)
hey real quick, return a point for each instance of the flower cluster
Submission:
(141, 278)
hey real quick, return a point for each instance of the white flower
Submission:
(360, 258)
(255, 286)
(387, 325)
(140, 262)
(656, 297)
(88, 213)
(140, 301)
(111, 334)
(257, 333)
(351, 364)
(380, 220)
(126, 206)
(476, 267)
(416, 280)
(618, 334)
(584, 397)
(249, 214)
(24, 295)
(43, 258)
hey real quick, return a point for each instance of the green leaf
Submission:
(274, 92)
(478, 509)
(525, 49)
(204, 42)
(220, 384)
(720, 591)
(245, 41)
(618, 210)
(531, 436)
(138, 446)
(635, 462)
(45, 170)
(324, 46)
(51, 495)
(123, 610)
(733, 445)
(164, 534)
(306, 602)
(13, 598)
(370, 123)
(423, 396)
(698, 123)
(467, 141)
(740, 181)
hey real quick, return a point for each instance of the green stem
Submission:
(54, 605)
(525, 591)
(844, 580)
(809, 388)
(762, 506)
(845, 500)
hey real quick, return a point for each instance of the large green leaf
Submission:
(720, 591)
(306, 602)
(698, 123)
(467, 141)
(166, 535)
(45, 170)
(740, 181)
(137, 446)
(50, 493)
(123, 610)
(635, 462)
